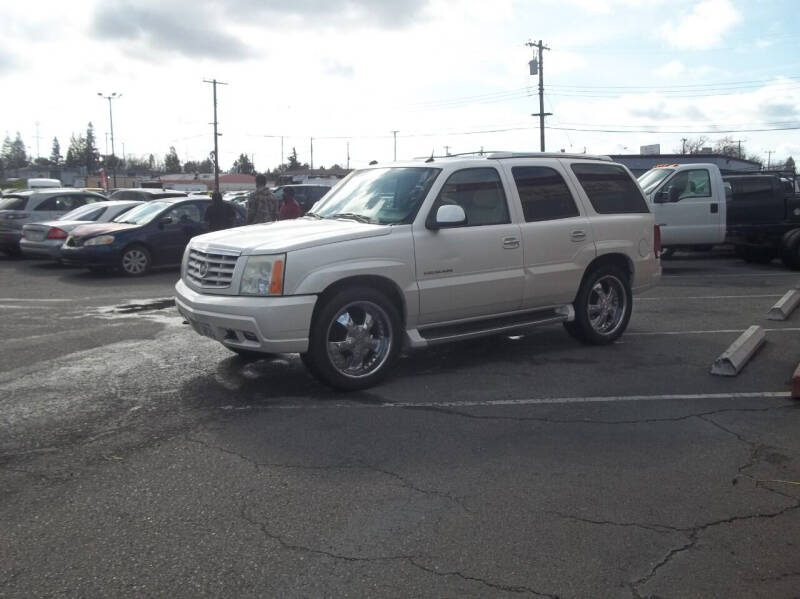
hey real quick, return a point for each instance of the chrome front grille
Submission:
(210, 269)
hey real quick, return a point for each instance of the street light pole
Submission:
(112, 96)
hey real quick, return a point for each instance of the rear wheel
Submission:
(756, 255)
(135, 261)
(355, 338)
(603, 306)
(790, 250)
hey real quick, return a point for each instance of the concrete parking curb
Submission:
(785, 306)
(796, 383)
(733, 359)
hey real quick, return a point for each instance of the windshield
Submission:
(379, 195)
(142, 214)
(86, 212)
(652, 178)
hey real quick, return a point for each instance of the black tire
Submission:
(615, 306)
(135, 261)
(358, 353)
(756, 255)
(790, 249)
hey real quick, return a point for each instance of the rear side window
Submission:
(13, 203)
(544, 194)
(610, 188)
(748, 189)
(61, 203)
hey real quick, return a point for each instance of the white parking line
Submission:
(515, 402)
(726, 331)
(704, 297)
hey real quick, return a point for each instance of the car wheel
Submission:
(135, 261)
(602, 307)
(756, 255)
(790, 250)
(355, 338)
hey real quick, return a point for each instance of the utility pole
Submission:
(534, 68)
(106, 142)
(348, 155)
(394, 134)
(282, 160)
(739, 141)
(38, 137)
(214, 83)
(447, 150)
(683, 147)
(112, 96)
(769, 156)
(312, 153)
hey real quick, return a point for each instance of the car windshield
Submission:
(82, 212)
(652, 178)
(379, 195)
(142, 214)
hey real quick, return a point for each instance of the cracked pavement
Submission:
(137, 459)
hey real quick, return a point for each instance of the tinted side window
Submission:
(13, 203)
(610, 189)
(544, 194)
(479, 192)
(51, 204)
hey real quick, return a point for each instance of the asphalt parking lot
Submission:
(139, 459)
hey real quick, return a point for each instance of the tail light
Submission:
(56, 233)
(657, 239)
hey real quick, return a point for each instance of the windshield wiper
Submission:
(356, 217)
(314, 215)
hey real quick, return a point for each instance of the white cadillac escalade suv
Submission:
(418, 253)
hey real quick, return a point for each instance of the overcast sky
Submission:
(440, 72)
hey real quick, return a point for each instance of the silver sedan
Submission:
(44, 240)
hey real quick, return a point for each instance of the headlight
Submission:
(263, 275)
(100, 240)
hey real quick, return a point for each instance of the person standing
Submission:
(262, 207)
(219, 215)
(290, 208)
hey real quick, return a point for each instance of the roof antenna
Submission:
(430, 159)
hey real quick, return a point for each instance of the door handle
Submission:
(578, 235)
(714, 208)
(510, 243)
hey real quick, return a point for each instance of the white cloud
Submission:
(671, 69)
(703, 27)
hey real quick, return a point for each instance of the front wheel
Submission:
(602, 307)
(355, 338)
(135, 261)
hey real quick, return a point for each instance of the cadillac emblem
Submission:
(203, 270)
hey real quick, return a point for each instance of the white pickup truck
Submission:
(418, 253)
(689, 204)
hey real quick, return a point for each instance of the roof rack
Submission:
(498, 155)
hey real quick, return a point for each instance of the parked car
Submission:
(145, 194)
(44, 240)
(305, 195)
(421, 253)
(150, 235)
(33, 206)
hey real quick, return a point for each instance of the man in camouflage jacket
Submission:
(262, 207)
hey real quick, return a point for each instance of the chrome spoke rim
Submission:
(359, 339)
(134, 261)
(607, 305)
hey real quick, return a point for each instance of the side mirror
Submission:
(449, 216)
(164, 220)
(674, 194)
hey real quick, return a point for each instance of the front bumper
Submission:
(93, 255)
(41, 249)
(265, 324)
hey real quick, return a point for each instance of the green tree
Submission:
(172, 163)
(789, 164)
(18, 157)
(243, 165)
(91, 156)
(206, 166)
(5, 153)
(55, 154)
(76, 151)
(293, 163)
(191, 167)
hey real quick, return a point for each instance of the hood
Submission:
(95, 229)
(287, 235)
